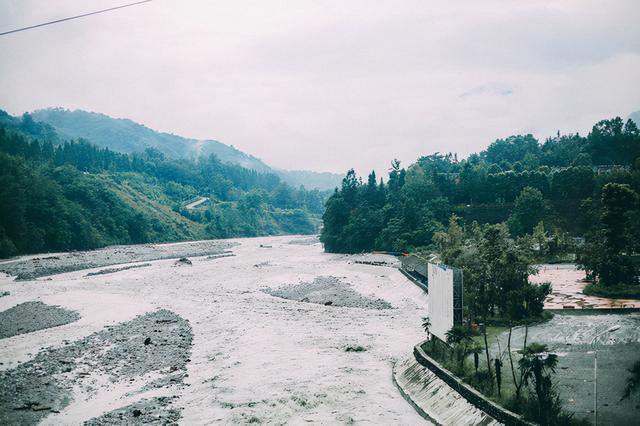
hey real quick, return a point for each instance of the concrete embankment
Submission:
(433, 399)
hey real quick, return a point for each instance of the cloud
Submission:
(331, 85)
(491, 89)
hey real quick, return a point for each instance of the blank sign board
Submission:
(441, 305)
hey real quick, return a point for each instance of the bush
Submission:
(515, 404)
(483, 381)
(620, 291)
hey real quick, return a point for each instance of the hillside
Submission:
(554, 189)
(59, 195)
(127, 136)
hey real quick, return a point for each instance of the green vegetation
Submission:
(533, 395)
(552, 197)
(495, 215)
(608, 254)
(72, 195)
(613, 292)
(126, 136)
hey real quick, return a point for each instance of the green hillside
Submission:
(517, 180)
(124, 135)
(59, 195)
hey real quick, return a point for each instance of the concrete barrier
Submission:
(470, 394)
(435, 400)
(414, 280)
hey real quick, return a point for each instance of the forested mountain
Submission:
(556, 185)
(123, 135)
(58, 194)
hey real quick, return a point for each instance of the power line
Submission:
(74, 17)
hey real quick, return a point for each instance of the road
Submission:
(196, 203)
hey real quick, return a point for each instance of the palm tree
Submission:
(535, 367)
(458, 334)
(460, 337)
(426, 324)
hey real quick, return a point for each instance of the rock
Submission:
(184, 261)
(137, 413)
(147, 341)
(329, 303)
(40, 408)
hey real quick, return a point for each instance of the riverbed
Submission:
(262, 330)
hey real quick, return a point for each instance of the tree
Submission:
(512, 149)
(607, 256)
(426, 325)
(614, 142)
(536, 366)
(460, 337)
(632, 384)
(528, 210)
(617, 200)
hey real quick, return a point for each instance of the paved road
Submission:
(569, 335)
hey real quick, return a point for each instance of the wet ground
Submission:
(568, 283)
(569, 335)
(329, 291)
(205, 342)
(31, 267)
(33, 316)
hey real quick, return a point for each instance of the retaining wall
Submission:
(470, 394)
(435, 400)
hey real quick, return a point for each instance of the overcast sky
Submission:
(330, 85)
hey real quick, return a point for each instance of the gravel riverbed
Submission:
(213, 342)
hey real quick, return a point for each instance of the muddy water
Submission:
(253, 357)
(568, 283)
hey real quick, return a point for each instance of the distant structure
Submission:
(444, 286)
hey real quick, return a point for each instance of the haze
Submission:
(330, 85)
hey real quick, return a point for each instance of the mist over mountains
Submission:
(126, 136)
(61, 192)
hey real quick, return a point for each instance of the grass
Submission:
(614, 292)
(493, 331)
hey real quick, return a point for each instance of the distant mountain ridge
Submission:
(124, 135)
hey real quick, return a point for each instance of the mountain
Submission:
(309, 179)
(60, 195)
(635, 116)
(127, 136)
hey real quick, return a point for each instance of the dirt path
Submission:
(253, 357)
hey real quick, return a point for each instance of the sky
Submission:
(330, 85)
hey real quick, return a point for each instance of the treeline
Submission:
(63, 195)
(556, 188)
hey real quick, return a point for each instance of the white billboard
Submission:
(440, 299)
